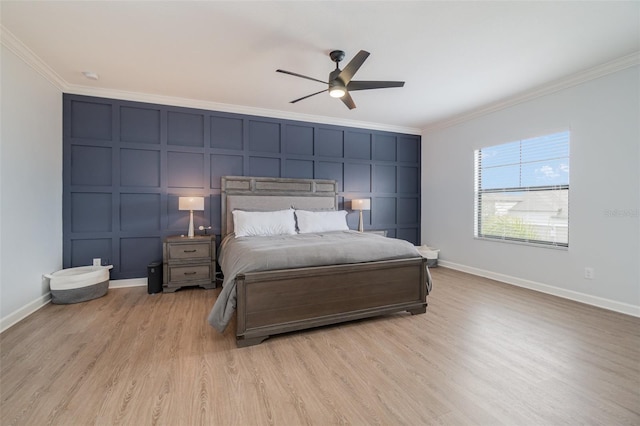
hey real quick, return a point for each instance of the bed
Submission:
(271, 296)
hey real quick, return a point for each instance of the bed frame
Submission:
(281, 301)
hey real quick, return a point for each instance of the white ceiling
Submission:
(454, 56)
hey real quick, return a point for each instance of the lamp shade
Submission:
(191, 203)
(361, 204)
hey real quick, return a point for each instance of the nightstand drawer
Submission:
(190, 273)
(190, 251)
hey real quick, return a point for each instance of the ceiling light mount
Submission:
(336, 56)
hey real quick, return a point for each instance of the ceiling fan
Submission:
(340, 81)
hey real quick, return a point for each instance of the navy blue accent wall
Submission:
(126, 164)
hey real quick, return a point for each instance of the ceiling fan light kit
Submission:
(340, 81)
(336, 90)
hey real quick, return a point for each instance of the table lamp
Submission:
(191, 204)
(361, 204)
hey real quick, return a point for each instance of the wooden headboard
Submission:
(268, 194)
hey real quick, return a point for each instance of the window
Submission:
(522, 191)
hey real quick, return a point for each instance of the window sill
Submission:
(523, 243)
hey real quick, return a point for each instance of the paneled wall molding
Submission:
(598, 71)
(125, 164)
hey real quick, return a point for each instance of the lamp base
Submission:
(191, 232)
(361, 223)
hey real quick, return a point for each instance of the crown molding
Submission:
(236, 109)
(598, 71)
(11, 42)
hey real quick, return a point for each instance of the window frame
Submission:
(479, 192)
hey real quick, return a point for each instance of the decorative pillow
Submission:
(247, 224)
(322, 221)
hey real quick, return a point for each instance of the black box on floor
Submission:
(154, 277)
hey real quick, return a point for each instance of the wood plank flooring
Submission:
(485, 353)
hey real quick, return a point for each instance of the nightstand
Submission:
(188, 261)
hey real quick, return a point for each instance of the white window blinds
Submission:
(522, 191)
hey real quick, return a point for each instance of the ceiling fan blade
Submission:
(308, 96)
(366, 85)
(348, 101)
(301, 76)
(352, 67)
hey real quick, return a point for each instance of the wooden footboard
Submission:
(276, 302)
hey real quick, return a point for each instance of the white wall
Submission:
(30, 187)
(603, 116)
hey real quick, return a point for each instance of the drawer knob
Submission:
(189, 273)
(190, 251)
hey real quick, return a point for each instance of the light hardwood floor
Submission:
(485, 353)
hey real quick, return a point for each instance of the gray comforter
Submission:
(252, 254)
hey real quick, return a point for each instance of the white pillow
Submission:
(323, 221)
(247, 224)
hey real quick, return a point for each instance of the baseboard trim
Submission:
(31, 307)
(131, 282)
(600, 302)
(20, 314)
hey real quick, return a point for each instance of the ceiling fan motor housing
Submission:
(333, 77)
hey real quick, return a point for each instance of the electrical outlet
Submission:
(97, 261)
(589, 273)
